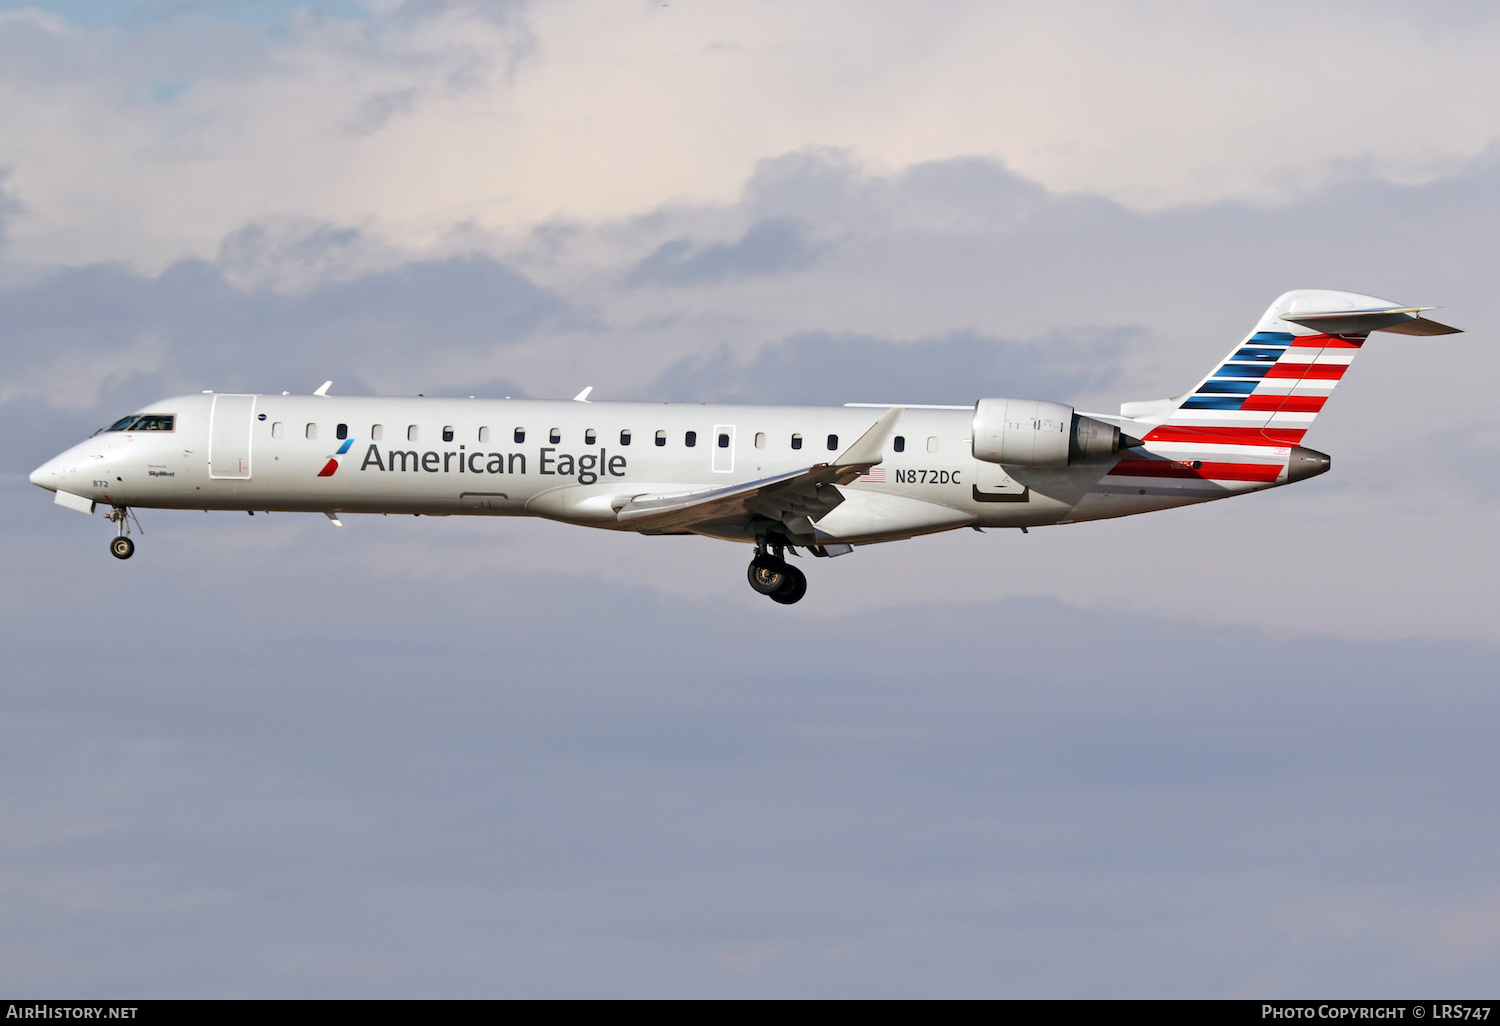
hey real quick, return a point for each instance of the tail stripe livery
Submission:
(1269, 371)
(1242, 421)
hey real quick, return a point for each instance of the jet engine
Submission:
(1036, 433)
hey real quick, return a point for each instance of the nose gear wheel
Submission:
(121, 547)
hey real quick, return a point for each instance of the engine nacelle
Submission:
(1036, 433)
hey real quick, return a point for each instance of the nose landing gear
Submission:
(121, 547)
(770, 575)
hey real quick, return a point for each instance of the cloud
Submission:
(770, 246)
(827, 370)
(76, 339)
(150, 145)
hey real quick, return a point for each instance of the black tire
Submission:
(122, 548)
(767, 574)
(794, 588)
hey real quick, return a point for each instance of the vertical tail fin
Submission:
(1268, 390)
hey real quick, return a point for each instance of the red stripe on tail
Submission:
(1227, 435)
(1320, 371)
(1284, 403)
(1328, 341)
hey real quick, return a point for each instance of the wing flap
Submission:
(680, 509)
(797, 499)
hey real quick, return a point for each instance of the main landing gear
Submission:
(121, 547)
(770, 575)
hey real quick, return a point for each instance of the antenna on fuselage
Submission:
(324, 390)
(583, 397)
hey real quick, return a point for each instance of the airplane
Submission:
(781, 478)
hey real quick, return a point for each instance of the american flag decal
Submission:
(875, 475)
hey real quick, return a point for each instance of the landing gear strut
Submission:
(121, 547)
(770, 575)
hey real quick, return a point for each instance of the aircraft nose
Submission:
(46, 476)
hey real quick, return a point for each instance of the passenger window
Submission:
(276, 429)
(312, 431)
(520, 435)
(589, 438)
(690, 439)
(796, 441)
(377, 432)
(661, 438)
(760, 439)
(932, 443)
(484, 434)
(625, 437)
(341, 432)
(554, 436)
(833, 442)
(723, 441)
(447, 432)
(411, 433)
(899, 443)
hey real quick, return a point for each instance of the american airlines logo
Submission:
(333, 461)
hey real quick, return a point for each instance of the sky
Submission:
(1235, 750)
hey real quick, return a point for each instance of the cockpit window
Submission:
(144, 422)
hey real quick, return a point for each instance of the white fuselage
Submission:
(579, 462)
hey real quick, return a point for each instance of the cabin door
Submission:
(229, 426)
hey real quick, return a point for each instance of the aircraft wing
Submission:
(796, 499)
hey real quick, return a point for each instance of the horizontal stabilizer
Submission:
(1400, 320)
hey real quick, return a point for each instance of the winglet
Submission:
(583, 397)
(869, 448)
(324, 390)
